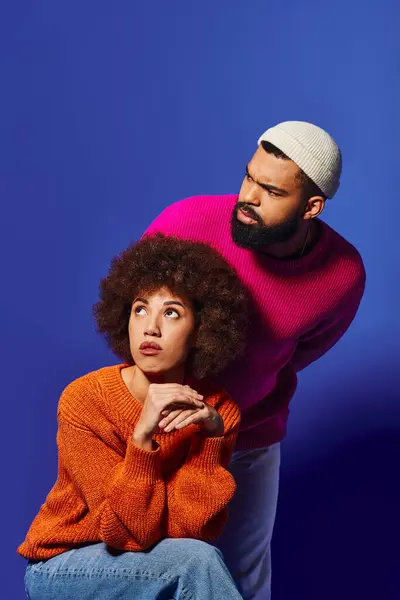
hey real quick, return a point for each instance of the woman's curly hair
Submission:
(193, 270)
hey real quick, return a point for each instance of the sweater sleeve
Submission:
(322, 338)
(199, 492)
(162, 223)
(126, 496)
(180, 219)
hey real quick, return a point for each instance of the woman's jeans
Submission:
(181, 569)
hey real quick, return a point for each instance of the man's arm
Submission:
(322, 338)
(168, 221)
(186, 219)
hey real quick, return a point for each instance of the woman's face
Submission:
(161, 331)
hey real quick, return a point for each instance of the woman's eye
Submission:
(140, 310)
(172, 314)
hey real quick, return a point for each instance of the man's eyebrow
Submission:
(267, 186)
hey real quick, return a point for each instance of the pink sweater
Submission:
(300, 309)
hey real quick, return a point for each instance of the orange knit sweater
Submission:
(109, 490)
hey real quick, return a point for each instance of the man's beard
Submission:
(257, 236)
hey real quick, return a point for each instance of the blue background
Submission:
(112, 110)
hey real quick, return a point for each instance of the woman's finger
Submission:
(183, 399)
(196, 417)
(177, 388)
(176, 401)
(168, 418)
(179, 419)
(193, 393)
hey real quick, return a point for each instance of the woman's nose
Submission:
(153, 328)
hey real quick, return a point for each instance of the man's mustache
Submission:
(249, 211)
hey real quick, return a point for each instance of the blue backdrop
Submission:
(112, 110)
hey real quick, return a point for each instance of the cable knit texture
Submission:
(109, 490)
(299, 309)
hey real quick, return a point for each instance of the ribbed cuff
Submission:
(206, 453)
(142, 464)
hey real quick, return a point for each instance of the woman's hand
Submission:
(161, 397)
(207, 417)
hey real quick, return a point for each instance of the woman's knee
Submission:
(36, 586)
(188, 549)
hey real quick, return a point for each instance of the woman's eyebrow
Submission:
(169, 302)
(140, 300)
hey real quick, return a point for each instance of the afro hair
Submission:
(193, 270)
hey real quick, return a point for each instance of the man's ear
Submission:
(314, 207)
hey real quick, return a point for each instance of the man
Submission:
(305, 282)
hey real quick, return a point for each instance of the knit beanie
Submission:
(312, 149)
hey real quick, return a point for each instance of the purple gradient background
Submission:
(112, 110)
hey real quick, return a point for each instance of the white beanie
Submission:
(312, 149)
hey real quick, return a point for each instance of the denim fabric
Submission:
(246, 540)
(181, 569)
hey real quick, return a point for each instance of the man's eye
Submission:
(248, 177)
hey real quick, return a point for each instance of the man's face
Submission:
(271, 203)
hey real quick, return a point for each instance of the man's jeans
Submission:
(182, 569)
(246, 541)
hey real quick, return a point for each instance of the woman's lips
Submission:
(149, 351)
(244, 218)
(149, 348)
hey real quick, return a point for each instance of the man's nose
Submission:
(251, 194)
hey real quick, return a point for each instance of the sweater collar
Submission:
(128, 406)
(301, 264)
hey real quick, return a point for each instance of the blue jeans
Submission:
(180, 569)
(246, 540)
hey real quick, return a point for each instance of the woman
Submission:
(144, 446)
